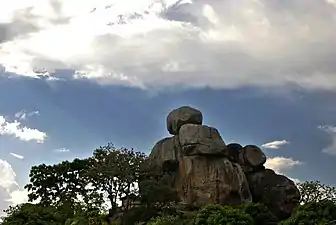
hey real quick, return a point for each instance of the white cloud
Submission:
(18, 196)
(148, 43)
(331, 131)
(21, 132)
(22, 115)
(61, 150)
(281, 164)
(275, 144)
(17, 155)
(10, 192)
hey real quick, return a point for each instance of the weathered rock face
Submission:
(278, 192)
(208, 180)
(201, 140)
(165, 153)
(183, 115)
(204, 170)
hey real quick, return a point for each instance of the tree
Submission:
(169, 220)
(259, 212)
(86, 217)
(219, 215)
(156, 195)
(61, 184)
(322, 212)
(156, 189)
(31, 214)
(315, 191)
(115, 172)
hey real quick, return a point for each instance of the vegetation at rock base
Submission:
(121, 186)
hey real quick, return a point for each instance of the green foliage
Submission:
(166, 220)
(222, 215)
(31, 214)
(115, 172)
(259, 212)
(315, 191)
(320, 213)
(156, 190)
(86, 217)
(61, 184)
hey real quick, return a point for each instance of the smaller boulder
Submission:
(235, 152)
(253, 157)
(183, 115)
(201, 140)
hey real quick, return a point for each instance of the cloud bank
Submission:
(23, 133)
(149, 43)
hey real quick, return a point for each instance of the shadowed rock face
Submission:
(207, 171)
(278, 192)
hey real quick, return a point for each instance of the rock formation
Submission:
(207, 171)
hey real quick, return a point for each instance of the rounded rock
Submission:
(254, 156)
(183, 115)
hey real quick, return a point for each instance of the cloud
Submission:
(10, 192)
(21, 132)
(331, 131)
(275, 144)
(22, 115)
(62, 150)
(222, 44)
(281, 165)
(17, 156)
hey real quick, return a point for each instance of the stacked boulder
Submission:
(205, 170)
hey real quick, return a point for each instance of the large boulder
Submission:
(183, 115)
(201, 140)
(277, 192)
(165, 153)
(211, 180)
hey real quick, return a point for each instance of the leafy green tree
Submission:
(86, 217)
(259, 212)
(313, 213)
(33, 214)
(61, 184)
(315, 191)
(168, 220)
(222, 215)
(115, 172)
(156, 195)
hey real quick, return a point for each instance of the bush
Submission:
(219, 215)
(320, 213)
(259, 212)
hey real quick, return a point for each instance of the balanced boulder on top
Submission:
(183, 115)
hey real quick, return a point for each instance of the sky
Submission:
(76, 75)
